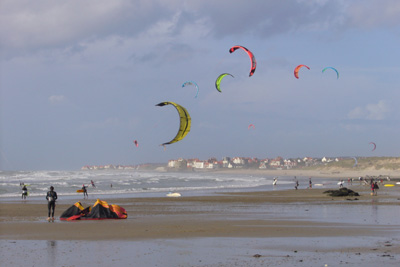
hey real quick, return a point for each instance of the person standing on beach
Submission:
(24, 192)
(51, 203)
(372, 189)
(309, 183)
(85, 194)
(296, 184)
(376, 187)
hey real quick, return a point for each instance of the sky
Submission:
(79, 80)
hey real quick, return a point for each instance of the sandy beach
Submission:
(302, 227)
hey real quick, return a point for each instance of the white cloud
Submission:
(55, 99)
(370, 112)
(29, 25)
(48, 22)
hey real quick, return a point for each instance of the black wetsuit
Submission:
(24, 192)
(85, 194)
(51, 198)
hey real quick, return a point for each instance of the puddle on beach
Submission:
(331, 251)
(337, 213)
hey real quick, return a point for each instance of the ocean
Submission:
(135, 183)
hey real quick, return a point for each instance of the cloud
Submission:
(372, 14)
(44, 23)
(27, 26)
(370, 112)
(56, 99)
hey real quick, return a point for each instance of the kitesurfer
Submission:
(309, 183)
(296, 183)
(85, 194)
(51, 203)
(24, 192)
(91, 181)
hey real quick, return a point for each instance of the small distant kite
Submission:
(219, 79)
(372, 143)
(192, 83)
(252, 58)
(185, 122)
(251, 126)
(296, 70)
(136, 143)
(337, 73)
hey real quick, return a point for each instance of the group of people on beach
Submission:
(51, 198)
(374, 187)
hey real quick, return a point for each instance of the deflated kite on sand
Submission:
(101, 210)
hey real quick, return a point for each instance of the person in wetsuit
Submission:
(51, 205)
(85, 194)
(24, 192)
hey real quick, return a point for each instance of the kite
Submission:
(372, 143)
(101, 210)
(218, 81)
(337, 73)
(252, 58)
(75, 212)
(185, 122)
(192, 83)
(251, 125)
(136, 143)
(296, 70)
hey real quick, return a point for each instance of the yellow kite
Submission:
(185, 123)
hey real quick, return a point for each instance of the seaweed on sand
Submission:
(342, 192)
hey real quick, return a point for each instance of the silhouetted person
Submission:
(51, 202)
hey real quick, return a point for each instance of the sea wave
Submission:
(114, 182)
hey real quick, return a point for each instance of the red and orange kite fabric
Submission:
(101, 210)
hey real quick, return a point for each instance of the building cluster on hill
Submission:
(248, 163)
(226, 162)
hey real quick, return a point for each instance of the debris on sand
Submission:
(342, 192)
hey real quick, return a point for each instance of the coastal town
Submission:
(196, 164)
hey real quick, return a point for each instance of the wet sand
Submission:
(287, 228)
